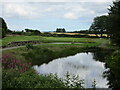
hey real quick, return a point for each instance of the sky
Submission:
(47, 15)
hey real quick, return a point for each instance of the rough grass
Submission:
(47, 52)
(18, 52)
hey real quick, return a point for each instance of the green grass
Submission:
(54, 47)
(45, 50)
(43, 54)
(6, 40)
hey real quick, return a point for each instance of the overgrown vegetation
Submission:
(113, 73)
(29, 79)
(12, 77)
(39, 55)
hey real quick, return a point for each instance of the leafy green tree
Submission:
(3, 28)
(113, 73)
(36, 32)
(99, 25)
(63, 30)
(57, 30)
(114, 22)
(33, 32)
(60, 30)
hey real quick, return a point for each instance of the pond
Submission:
(81, 64)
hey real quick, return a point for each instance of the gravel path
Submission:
(8, 48)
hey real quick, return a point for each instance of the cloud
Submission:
(16, 9)
(49, 14)
(56, 0)
(0, 9)
(19, 10)
(61, 10)
(49, 9)
(70, 16)
(71, 10)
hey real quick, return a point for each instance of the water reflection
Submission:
(81, 64)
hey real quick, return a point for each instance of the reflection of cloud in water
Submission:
(81, 64)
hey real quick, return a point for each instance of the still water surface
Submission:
(81, 64)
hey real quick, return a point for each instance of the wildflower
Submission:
(9, 62)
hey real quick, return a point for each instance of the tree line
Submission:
(109, 23)
(60, 30)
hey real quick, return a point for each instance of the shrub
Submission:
(113, 73)
(8, 62)
(73, 81)
(29, 46)
(39, 55)
(29, 79)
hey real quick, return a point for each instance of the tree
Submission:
(113, 74)
(60, 30)
(36, 32)
(3, 28)
(33, 32)
(63, 30)
(99, 25)
(57, 30)
(114, 22)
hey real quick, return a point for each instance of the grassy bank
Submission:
(49, 52)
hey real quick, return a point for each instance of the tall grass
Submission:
(40, 55)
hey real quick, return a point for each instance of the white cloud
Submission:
(50, 13)
(56, 0)
(54, 10)
(0, 9)
(70, 16)
(103, 14)
(19, 10)
(16, 9)
(49, 9)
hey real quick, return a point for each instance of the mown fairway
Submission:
(6, 40)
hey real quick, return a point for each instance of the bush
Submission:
(39, 55)
(16, 74)
(113, 73)
(8, 62)
(29, 46)
(17, 32)
(73, 81)
(29, 79)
